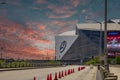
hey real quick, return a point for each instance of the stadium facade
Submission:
(87, 41)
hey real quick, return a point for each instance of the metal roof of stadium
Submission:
(68, 33)
(96, 26)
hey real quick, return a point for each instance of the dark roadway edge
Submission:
(26, 68)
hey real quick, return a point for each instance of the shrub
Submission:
(117, 59)
(53, 62)
(93, 61)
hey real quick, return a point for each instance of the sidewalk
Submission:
(92, 74)
(86, 74)
(113, 69)
(116, 71)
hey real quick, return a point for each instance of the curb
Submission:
(25, 68)
(12, 69)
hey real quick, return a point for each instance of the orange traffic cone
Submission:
(34, 78)
(65, 73)
(82, 67)
(59, 75)
(50, 77)
(68, 71)
(62, 74)
(78, 68)
(55, 77)
(73, 70)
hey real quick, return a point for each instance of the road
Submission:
(41, 74)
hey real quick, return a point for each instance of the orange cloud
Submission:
(40, 26)
(75, 3)
(64, 23)
(27, 52)
(44, 41)
(18, 40)
(64, 11)
(40, 1)
(60, 12)
(36, 25)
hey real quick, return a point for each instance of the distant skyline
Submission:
(28, 27)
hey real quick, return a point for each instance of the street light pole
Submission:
(100, 45)
(105, 39)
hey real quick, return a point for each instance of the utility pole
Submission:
(105, 38)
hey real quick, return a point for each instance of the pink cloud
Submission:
(84, 11)
(82, 2)
(18, 40)
(37, 25)
(91, 15)
(59, 9)
(44, 41)
(40, 1)
(34, 32)
(59, 16)
(63, 11)
(63, 23)
(58, 26)
(60, 12)
(17, 50)
(75, 3)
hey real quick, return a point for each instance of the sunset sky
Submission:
(28, 27)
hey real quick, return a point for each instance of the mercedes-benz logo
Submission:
(63, 46)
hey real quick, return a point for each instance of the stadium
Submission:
(87, 41)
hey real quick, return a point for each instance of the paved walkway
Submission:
(116, 71)
(86, 74)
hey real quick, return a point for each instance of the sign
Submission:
(113, 43)
(63, 46)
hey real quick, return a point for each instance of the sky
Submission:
(28, 27)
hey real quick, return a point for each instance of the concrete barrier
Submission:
(111, 78)
(106, 75)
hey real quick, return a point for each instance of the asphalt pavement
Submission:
(41, 74)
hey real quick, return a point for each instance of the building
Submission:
(87, 41)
